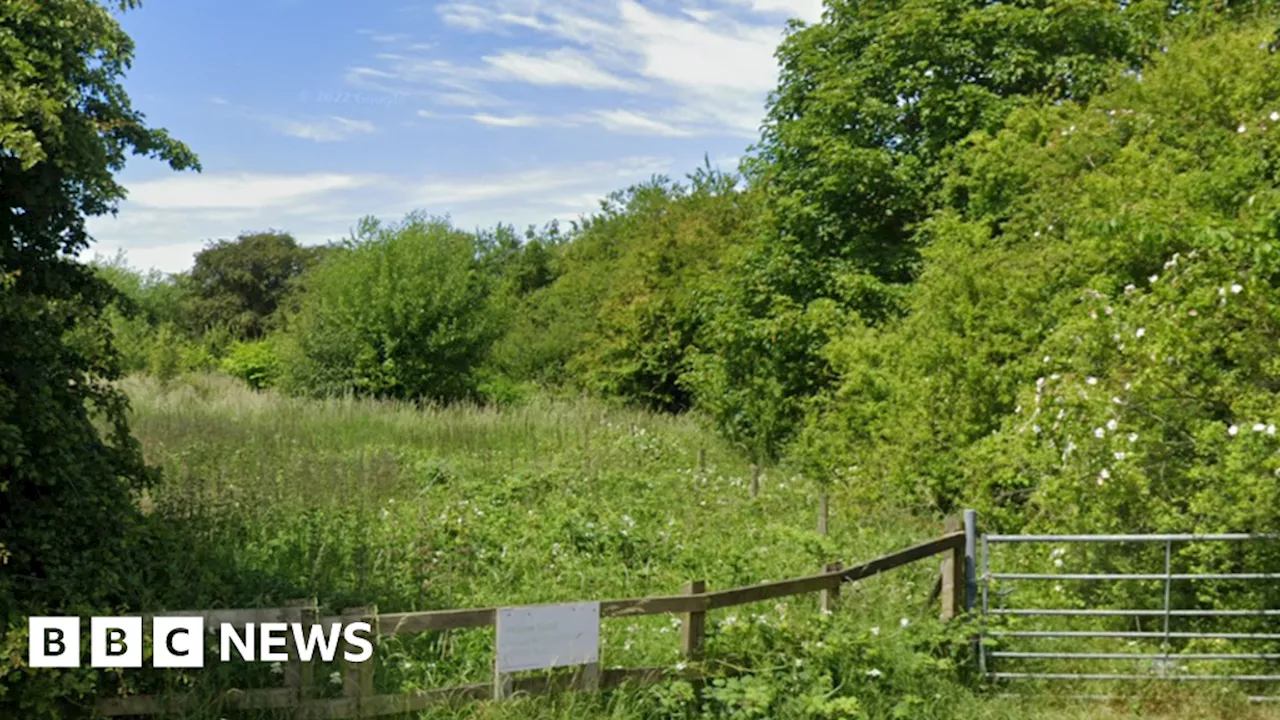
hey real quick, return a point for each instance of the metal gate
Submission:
(1156, 639)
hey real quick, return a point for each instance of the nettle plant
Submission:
(1158, 405)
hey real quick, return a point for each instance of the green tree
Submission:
(869, 103)
(66, 126)
(401, 310)
(238, 284)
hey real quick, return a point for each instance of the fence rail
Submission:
(359, 700)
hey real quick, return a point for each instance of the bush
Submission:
(399, 311)
(253, 362)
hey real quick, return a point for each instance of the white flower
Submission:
(875, 630)
(1112, 424)
(1109, 310)
(1153, 278)
(1129, 288)
(1274, 116)
(1105, 474)
(1133, 437)
(1116, 400)
(1091, 380)
(1118, 455)
(1057, 563)
(1035, 429)
(335, 678)
(1235, 289)
(873, 672)
(1193, 313)
(1259, 427)
(680, 666)
(1099, 433)
(1233, 430)
(277, 668)
(1271, 429)
(1047, 358)
(1058, 552)
(1240, 129)
(1140, 332)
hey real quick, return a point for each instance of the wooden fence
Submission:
(358, 697)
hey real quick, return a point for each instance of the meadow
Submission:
(363, 502)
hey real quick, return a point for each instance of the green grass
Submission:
(358, 502)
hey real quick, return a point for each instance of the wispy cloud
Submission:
(699, 70)
(328, 129)
(165, 221)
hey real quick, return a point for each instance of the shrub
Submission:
(253, 362)
(400, 311)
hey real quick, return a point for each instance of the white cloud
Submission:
(329, 129)
(559, 67)
(510, 121)
(240, 191)
(625, 121)
(701, 69)
(164, 222)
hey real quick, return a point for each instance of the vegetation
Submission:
(1019, 257)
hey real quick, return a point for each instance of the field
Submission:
(358, 502)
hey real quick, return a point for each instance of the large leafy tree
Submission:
(238, 284)
(869, 103)
(67, 461)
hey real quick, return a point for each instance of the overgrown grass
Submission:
(358, 502)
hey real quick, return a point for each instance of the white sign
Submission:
(547, 636)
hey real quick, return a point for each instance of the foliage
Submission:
(66, 125)
(239, 283)
(253, 362)
(400, 311)
(1087, 347)
(870, 103)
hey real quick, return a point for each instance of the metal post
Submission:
(1168, 584)
(970, 558)
(982, 626)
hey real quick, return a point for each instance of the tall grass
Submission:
(361, 502)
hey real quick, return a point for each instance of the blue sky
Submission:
(308, 114)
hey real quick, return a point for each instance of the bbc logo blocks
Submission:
(179, 642)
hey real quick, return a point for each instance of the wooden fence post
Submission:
(755, 480)
(357, 678)
(823, 512)
(298, 675)
(827, 599)
(693, 625)
(953, 575)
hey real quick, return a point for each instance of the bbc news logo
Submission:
(179, 642)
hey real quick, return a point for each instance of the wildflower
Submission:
(1035, 429)
(1104, 474)
(1047, 358)
(1133, 437)
(875, 630)
(1099, 433)
(1153, 279)
(1259, 427)
(277, 668)
(1118, 455)
(904, 622)
(1057, 563)
(1240, 129)
(1235, 289)
(1112, 424)
(1271, 429)
(874, 673)
(1091, 380)
(1140, 332)
(1193, 313)
(1275, 116)
(1057, 553)
(335, 678)
(1109, 310)
(1129, 288)
(680, 666)
(1233, 430)
(1116, 400)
